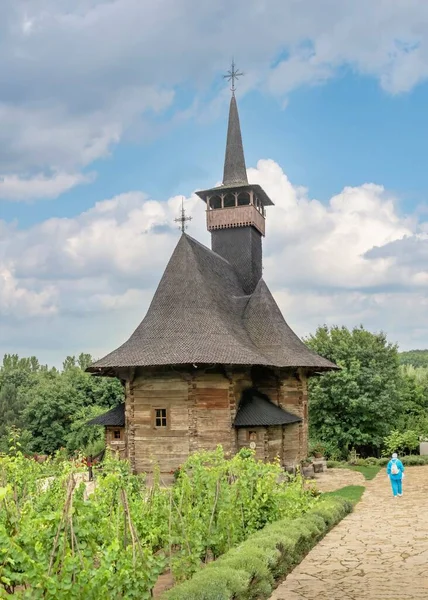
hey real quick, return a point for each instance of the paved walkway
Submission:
(379, 552)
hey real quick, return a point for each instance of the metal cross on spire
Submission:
(232, 75)
(182, 218)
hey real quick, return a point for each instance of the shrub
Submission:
(264, 556)
(257, 565)
(414, 460)
(316, 447)
(331, 450)
(335, 464)
(409, 460)
(210, 585)
(402, 442)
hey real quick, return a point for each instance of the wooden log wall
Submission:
(167, 447)
(293, 397)
(201, 406)
(112, 440)
(244, 441)
(212, 411)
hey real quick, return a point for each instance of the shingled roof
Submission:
(112, 418)
(200, 314)
(256, 410)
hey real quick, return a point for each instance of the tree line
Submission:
(378, 393)
(51, 406)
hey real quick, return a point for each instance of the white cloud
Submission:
(78, 76)
(15, 188)
(310, 244)
(19, 301)
(353, 260)
(125, 237)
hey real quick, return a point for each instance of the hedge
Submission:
(249, 571)
(411, 460)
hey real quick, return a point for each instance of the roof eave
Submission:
(111, 370)
(266, 201)
(252, 424)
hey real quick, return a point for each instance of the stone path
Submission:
(379, 552)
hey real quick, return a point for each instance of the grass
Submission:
(353, 493)
(369, 471)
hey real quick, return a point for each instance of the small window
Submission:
(160, 417)
(116, 434)
(252, 436)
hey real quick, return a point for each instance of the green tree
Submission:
(17, 375)
(358, 405)
(413, 387)
(82, 436)
(51, 404)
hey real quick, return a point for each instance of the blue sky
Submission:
(98, 141)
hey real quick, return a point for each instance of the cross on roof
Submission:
(182, 218)
(232, 75)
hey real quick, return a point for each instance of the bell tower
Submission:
(236, 209)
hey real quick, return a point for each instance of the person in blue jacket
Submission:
(395, 470)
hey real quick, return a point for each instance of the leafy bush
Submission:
(402, 442)
(331, 450)
(414, 460)
(266, 555)
(335, 464)
(316, 447)
(409, 460)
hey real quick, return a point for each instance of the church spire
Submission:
(236, 209)
(235, 172)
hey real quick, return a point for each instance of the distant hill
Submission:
(417, 358)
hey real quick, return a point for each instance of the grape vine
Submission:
(59, 543)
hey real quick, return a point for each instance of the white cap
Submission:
(395, 455)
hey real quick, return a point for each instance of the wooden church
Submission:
(213, 361)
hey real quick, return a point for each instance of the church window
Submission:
(116, 434)
(252, 436)
(160, 417)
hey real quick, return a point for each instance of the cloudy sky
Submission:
(111, 110)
